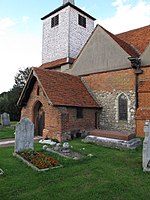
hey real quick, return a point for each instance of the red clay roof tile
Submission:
(139, 38)
(57, 63)
(64, 90)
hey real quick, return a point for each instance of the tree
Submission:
(8, 100)
(21, 78)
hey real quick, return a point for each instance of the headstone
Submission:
(24, 137)
(146, 147)
(5, 119)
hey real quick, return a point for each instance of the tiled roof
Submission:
(63, 89)
(139, 38)
(57, 63)
(123, 44)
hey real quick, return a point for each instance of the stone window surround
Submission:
(117, 107)
(123, 106)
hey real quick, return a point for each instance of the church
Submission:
(89, 78)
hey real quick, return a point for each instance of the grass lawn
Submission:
(110, 175)
(8, 132)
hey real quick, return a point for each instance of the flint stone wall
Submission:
(108, 115)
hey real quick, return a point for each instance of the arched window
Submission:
(123, 107)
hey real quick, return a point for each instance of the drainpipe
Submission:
(136, 65)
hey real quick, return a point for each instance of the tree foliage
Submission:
(8, 100)
(21, 78)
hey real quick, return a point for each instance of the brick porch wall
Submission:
(71, 122)
(52, 114)
(58, 120)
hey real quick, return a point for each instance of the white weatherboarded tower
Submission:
(65, 31)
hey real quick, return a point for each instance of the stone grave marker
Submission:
(5, 119)
(24, 137)
(146, 147)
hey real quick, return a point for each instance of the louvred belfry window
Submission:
(123, 107)
(82, 21)
(55, 21)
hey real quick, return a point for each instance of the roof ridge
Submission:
(135, 29)
(56, 72)
(139, 37)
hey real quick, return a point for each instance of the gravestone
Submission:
(146, 147)
(24, 137)
(5, 119)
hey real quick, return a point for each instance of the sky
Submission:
(21, 28)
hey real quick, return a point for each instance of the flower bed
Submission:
(37, 161)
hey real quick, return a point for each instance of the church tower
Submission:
(65, 31)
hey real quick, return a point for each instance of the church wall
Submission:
(143, 112)
(72, 125)
(52, 114)
(145, 58)
(107, 87)
(100, 54)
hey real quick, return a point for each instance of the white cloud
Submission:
(16, 51)
(119, 2)
(25, 18)
(127, 16)
(6, 23)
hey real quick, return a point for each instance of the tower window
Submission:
(123, 106)
(79, 113)
(82, 21)
(55, 21)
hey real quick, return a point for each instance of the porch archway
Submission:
(39, 118)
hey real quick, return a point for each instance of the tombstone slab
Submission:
(146, 147)
(5, 119)
(24, 137)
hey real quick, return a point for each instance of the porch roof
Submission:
(61, 89)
